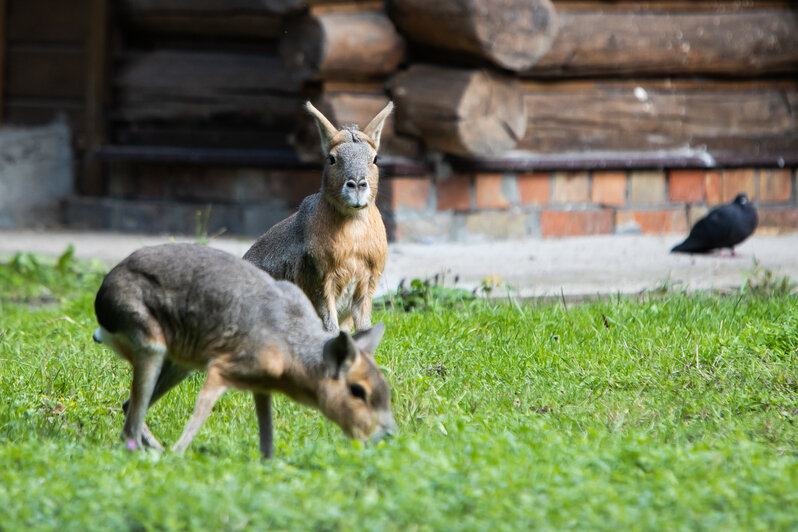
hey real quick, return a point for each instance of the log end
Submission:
(471, 113)
(492, 115)
(516, 37)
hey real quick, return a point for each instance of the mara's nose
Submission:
(386, 430)
(360, 184)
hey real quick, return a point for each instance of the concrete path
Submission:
(575, 267)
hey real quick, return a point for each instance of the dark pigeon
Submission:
(724, 227)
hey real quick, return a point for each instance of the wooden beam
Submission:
(203, 86)
(206, 20)
(612, 43)
(752, 120)
(91, 180)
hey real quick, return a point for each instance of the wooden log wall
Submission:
(475, 79)
(45, 61)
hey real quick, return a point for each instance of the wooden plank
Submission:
(47, 21)
(598, 43)
(204, 86)
(209, 19)
(96, 71)
(45, 72)
(744, 120)
(207, 136)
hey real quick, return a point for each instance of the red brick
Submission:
(454, 193)
(534, 188)
(686, 186)
(409, 193)
(647, 187)
(575, 223)
(712, 187)
(775, 186)
(489, 194)
(571, 187)
(654, 222)
(735, 181)
(609, 188)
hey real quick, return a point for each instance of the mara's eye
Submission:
(376, 158)
(358, 391)
(331, 158)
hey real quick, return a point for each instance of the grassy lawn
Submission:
(668, 411)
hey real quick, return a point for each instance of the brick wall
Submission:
(461, 207)
(489, 206)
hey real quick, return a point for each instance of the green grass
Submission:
(666, 412)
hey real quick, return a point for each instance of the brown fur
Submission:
(175, 308)
(334, 247)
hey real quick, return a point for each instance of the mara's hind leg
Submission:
(170, 376)
(147, 364)
(211, 391)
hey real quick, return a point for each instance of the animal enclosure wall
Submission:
(197, 107)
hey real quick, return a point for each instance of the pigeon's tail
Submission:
(97, 336)
(689, 246)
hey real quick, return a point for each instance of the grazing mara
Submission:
(176, 308)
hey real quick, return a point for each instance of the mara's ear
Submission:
(368, 339)
(374, 129)
(326, 130)
(339, 354)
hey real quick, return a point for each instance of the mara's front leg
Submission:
(326, 306)
(361, 303)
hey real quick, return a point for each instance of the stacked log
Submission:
(461, 112)
(472, 78)
(512, 34)
(341, 45)
(466, 111)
